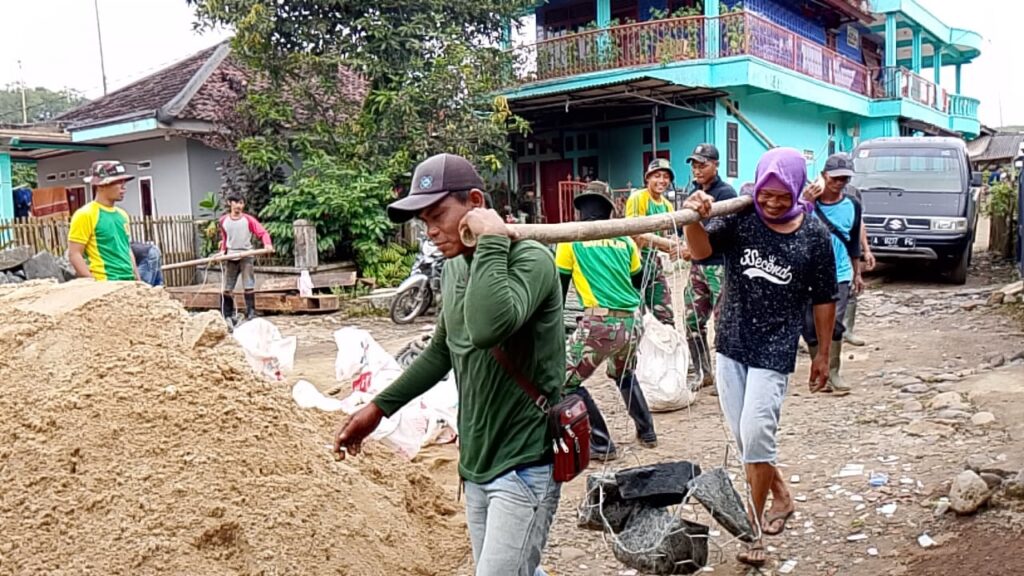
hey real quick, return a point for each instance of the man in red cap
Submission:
(498, 298)
(99, 240)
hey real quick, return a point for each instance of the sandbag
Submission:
(662, 362)
(429, 419)
(657, 542)
(269, 353)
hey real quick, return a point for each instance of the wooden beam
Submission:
(601, 229)
(218, 258)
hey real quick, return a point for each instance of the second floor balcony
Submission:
(671, 41)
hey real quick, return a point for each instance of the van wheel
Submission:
(958, 272)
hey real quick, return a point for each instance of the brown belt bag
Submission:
(568, 423)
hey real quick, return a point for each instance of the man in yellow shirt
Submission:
(99, 241)
(657, 295)
(607, 275)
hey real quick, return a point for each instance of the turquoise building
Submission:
(609, 84)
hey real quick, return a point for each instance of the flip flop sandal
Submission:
(773, 518)
(744, 557)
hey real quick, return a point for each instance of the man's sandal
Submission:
(771, 519)
(755, 555)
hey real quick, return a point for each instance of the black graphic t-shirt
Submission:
(769, 278)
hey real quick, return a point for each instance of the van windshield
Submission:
(917, 169)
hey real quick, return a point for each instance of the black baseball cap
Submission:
(703, 153)
(839, 166)
(434, 179)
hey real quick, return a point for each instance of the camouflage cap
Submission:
(104, 172)
(660, 164)
(595, 189)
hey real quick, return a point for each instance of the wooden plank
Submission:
(320, 280)
(273, 302)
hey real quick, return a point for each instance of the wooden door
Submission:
(551, 173)
(76, 198)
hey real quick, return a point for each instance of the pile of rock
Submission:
(18, 265)
(1009, 294)
(982, 482)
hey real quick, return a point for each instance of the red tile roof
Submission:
(206, 87)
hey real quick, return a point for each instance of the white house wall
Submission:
(202, 170)
(169, 169)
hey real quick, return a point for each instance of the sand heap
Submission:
(134, 439)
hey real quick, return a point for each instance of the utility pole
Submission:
(24, 103)
(99, 38)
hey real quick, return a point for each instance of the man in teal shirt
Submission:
(501, 295)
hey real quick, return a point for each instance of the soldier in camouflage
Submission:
(607, 275)
(657, 296)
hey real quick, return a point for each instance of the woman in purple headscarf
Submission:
(776, 259)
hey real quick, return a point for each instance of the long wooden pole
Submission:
(218, 258)
(601, 229)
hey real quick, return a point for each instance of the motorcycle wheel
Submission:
(408, 304)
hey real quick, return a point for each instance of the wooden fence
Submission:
(176, 236)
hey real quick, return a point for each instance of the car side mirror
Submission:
(976, 179)
(1018, 163)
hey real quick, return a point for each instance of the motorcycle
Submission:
(417, 293)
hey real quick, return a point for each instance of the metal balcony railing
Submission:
(898, 82)
(744, 33)
(963, 106)
(655, 42)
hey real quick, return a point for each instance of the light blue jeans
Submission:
(751, 400)
(509, 519)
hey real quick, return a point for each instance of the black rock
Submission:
(715, 492)
(657, 542)
(604, 503)
(658, 485)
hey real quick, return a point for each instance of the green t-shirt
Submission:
(602, 271)
(506, 295)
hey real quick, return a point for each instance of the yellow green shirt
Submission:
(105, 234)
(602, 271)
(641, 203)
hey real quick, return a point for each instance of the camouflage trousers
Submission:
(597, 339)
(657, 296)
(701, 297)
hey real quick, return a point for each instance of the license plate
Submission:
(893, 241)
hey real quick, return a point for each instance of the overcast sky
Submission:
(56, 42)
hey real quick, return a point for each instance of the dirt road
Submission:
(925, 338)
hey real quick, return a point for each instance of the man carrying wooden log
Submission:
(657, 296)
(701, 295)
(777, 257)
(607, 275)
(500, 300)
(236, 231)
(99, 237)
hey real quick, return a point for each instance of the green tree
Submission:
(41, 104)
(427, 74)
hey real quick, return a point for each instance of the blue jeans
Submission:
(509, 519)
(149, 267)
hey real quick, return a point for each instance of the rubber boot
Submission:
(848, 320)
(227, 307)
(602, 448)
(250, 305)
(835, 361)
(700, 359)
(636, 406)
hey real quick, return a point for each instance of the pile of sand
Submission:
(134, 439)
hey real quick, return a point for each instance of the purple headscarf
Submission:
(785, 165)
